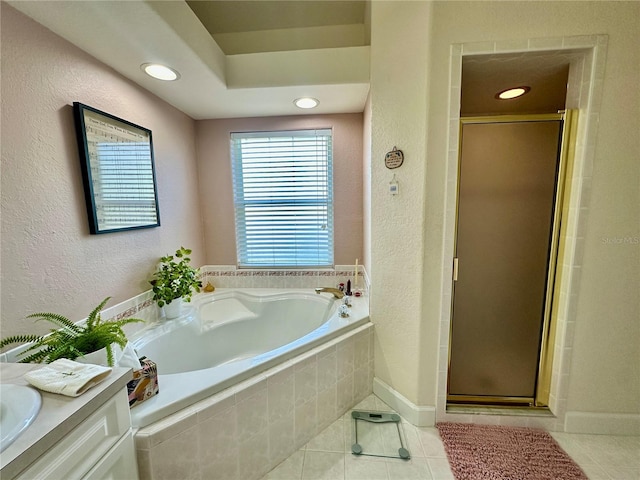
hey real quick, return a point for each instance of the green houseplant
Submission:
(70, 340)
(175, 278)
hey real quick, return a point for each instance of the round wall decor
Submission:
(394, 158)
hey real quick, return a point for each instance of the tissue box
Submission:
(144, 384)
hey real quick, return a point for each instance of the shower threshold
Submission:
(514, 410)
(489, 400)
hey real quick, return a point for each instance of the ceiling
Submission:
(214, 84)
(238, 16)
(484, 76)
(243, 27)
(253, 58)
(245, 16)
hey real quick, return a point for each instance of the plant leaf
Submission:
(19, 339)
(56, 319)
(94, 316)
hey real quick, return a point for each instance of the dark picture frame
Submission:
(118, 171)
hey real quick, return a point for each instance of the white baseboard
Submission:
(418, 416)
(602, 423)
(575, 422)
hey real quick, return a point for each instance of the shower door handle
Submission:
(455, 269)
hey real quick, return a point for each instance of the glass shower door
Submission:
(506, 196)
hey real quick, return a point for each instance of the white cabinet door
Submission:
(118, 464)
(85, 446)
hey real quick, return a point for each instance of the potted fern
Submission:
(175, 281)
(73, 341)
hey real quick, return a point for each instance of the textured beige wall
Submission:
(410, 89)
(399, 52)
(214, 167)
(366, 186)
(50, 262)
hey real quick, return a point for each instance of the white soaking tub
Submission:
(231, 335)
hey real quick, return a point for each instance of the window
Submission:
(283, 197)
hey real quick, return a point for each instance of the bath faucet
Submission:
(336, 293)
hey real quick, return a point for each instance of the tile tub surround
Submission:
(228, 276)
(243, 432)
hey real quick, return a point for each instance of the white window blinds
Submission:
(283, 196)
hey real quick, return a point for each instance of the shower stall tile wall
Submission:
(244, 431)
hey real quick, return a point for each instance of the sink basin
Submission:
(19, 406)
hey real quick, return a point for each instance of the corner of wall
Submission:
(414, 414)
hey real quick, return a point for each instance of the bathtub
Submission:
(231, 335)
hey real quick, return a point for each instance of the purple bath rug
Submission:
(491, 452)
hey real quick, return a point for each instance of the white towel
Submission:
(67, 377)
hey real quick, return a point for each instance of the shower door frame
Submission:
(566, 149)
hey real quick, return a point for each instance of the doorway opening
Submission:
(581, 63)
(587, 56)
(509, 184)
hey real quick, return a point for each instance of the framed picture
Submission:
(118, 171)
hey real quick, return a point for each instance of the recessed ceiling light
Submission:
(306, 102)
(512, 93)
(161, 72)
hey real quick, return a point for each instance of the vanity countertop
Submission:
(58, 415)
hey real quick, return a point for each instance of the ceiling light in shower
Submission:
(161, 72)
(512, 93)
(306, 102)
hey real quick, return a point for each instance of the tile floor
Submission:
(328, 456)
